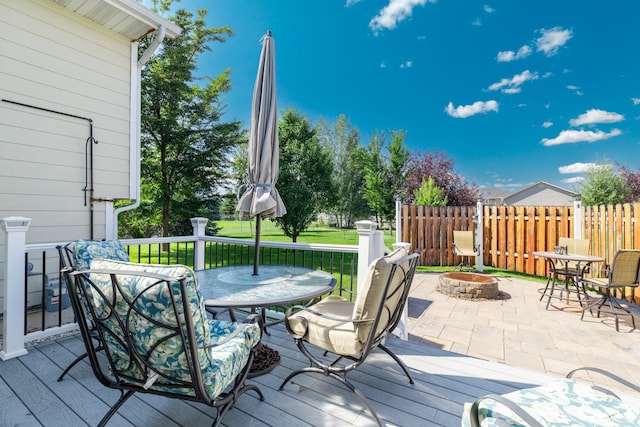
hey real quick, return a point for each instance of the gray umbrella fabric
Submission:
(261, 197)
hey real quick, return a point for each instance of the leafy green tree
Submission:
(603, 186)
(429, 194)
(385, 175)
(343, 142)
(185, 143)
(304, 181)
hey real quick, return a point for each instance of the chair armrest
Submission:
(607, 374)
(298, 308)
(250, 319)
(512, 406)
(162, 277)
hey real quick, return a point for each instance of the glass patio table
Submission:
(274, 285)
(558, 266)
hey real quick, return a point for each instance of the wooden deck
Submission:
(31, 396)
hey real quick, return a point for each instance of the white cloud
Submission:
(595, 116)
(635, 101)
(547, 124)
(576, 168)
(383, 65)
(488, 8)
(573, 136)
(576, 89)
(477, 22)
(478, 107)
(574, 180)
(396, 11)
(509, 55)
(352, 2)
(513, 84)
(407, 64)
(553, 39)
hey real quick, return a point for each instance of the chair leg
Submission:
(343, 380)
(614, 309)
(123, 398)
(398, 361)
(71, 365)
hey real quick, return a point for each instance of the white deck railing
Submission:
(16, 329)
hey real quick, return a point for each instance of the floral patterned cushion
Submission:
(86, 250)
(564, 402)
(165, 351)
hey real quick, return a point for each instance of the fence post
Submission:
(478, 218)
(369, 247)
(15, 228)
(198, 224)
(578, 216)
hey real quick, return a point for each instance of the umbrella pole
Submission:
(257, 246)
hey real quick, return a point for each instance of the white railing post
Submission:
(480, 236)
(398, 220)
(578, 216)
(401, 329)
(198, 224)
(15, 228)
(369, 247)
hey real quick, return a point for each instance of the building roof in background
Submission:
(540, 193)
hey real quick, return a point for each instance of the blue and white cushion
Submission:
(219, 364)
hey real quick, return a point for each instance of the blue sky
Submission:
(514, 92)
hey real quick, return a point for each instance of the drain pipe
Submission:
(134, 126)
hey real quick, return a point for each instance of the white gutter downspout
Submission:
(134, 127)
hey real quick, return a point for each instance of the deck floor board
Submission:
(444, 381)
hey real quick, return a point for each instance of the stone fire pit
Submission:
(461, 284)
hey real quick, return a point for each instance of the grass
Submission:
(315, 234)
(330, 235)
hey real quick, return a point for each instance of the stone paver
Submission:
(519, 331)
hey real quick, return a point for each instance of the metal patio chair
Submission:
(352, 330)
(624, 272)
(463, 247)
(157, 338)
(562, 402)
(78, 256)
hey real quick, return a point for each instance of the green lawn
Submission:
(315, 234)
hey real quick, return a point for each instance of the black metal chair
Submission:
(156, 337)
(78, 255)
(352, 330)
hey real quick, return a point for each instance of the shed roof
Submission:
(126, 17)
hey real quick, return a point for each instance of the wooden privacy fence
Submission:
(512, 233)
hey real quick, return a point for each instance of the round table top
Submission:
(274, 285)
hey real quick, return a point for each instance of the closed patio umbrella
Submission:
(261, 197)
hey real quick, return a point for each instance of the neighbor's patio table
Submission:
(558, 265)
(274, 285)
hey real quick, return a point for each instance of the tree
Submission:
(304, 181)
(428, 194)
(632, 181)
(343, 143)
(184, 142)
(385, 175)
(440, 167)
(603, 186)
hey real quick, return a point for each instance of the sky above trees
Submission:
(514, 92)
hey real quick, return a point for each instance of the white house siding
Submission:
(541, 196)
(54, 59)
